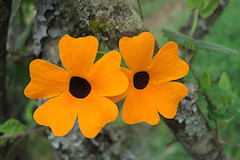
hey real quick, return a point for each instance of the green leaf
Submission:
(197, 44)
(207, 8)
(99, 55)
(214, 89)
(214, 47)
(205, 3)
(225, 83)
(179, 38)
(11, 127)
(28, 113)
(205, 82)
(214, 115)
(192, 4)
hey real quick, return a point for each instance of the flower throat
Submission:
(140, 79)
(79, 87)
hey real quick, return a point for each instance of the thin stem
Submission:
(231, 142)
(15, 12)
(194, 74)
(191, 56)
(140, 8)
(26, 132)
(195, 20)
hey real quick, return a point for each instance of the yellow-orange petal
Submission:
(137, 51)
(106, 77)
(47, 80)
(166, 97)
(96, 112)
(167, 65)
(138, 107)
(78, 54)
(59, 113)
(129, 75)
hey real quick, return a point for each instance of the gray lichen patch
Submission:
(188, 113)
(106, 146)
(53, 21)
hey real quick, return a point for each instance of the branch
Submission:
(32, 130)
(15, 12)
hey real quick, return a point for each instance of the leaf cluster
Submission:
(206, 7)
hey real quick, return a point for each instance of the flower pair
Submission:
(88, 90)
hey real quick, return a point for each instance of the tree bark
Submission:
(109, 20)
(189, 126)
(5, 12)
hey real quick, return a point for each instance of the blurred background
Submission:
(157, 14)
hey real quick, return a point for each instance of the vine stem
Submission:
(194, 74)
(34, 129)
(140, 8)
(195, 20)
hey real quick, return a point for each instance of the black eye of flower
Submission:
(140, 79)
(79, 87)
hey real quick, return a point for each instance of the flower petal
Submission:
(138, 107)
(59, 113)
(137, 51)
(129, 75)
(95, 114)
(106, 77)
(167, 65)
(166, 97)
(78, 54)
(47, 80)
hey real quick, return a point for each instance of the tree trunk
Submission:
(109, 20)
(5, 12)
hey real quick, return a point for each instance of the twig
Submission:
(22, 136)
(15, 12)
(192, 55)
(140, 8)
(231, 142)
(194, 74)
(10, 151)
(11, 82)
(19, 56)
(34, 129)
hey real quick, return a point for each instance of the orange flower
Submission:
(80, 90)
(150, 88)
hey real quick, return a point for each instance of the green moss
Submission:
(95, 25)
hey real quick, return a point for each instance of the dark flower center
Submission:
(140, 79)
(79, 87)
